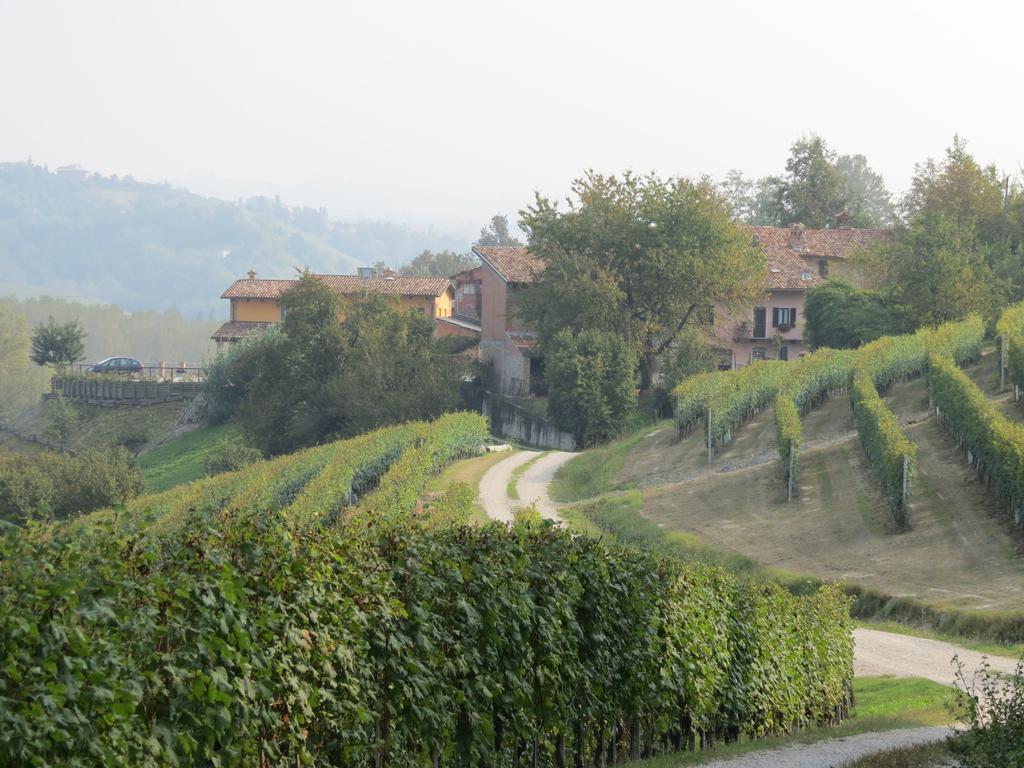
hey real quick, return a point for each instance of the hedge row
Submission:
(452, 437)
(692, 395)
(260, 643)
(1011, 328)
(994, 444)
(812, 380)
(893, 457)
(746, 393)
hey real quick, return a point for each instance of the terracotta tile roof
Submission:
(257, 289)
(514, 263)
(524, 341)
(786, 249)
(343, 284)
(236, 330)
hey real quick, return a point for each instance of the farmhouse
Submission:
(256, 302)
(797, 259)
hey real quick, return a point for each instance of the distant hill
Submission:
(153, 246)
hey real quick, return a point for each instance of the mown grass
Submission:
(512, 488)
(183, 459)
(883, 704)
(921, 756)
(619, 516)
(468, 471)
(592, 472)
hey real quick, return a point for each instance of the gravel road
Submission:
(834, 752)
(532, 485)
(886, 653)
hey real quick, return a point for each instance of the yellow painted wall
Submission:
(266, 311)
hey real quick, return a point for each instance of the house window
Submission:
(233, 311)
(823, 268)
(759, 323)
(783, 352)
(468, 289)
(757, 353)
(783, 316)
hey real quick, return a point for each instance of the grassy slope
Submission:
(183, 459)
(959, 553)
(101, 427)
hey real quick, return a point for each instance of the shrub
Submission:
(61, 485)
(591, 384)
(992, 707)
(228, 455)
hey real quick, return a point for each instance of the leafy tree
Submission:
(392, 371)
(61, 421)
(819, 189)
(319, 376)
(868, 201)
(440, 264)
(496, 233)
(689, 355)
(21, 383)
(813, 190)
(938, 272)
(591, 383)
(639, 257)
(58, 344)
(839, 315)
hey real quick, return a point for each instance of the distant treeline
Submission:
(150, 336)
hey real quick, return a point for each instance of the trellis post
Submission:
(1002, 362)
(906, 480)
(708, 422)
(792, 462)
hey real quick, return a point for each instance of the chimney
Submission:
(389, 274)
(843, 220)
(252, 274)
(796, 237)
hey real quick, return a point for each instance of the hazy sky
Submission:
(445, 112)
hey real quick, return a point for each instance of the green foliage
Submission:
(45, 485)
(591, 384)
(811, 380)
(747, 391)
(692, 396)
(440, 264)
(640, 257)
(842, 316)
(892, 455)
(527, 515)
(1011, 327)
(938, 272)
(252, 643)
(320, 377)
(994, 444)
(61, 420)
(151, 336)
(182, 459)
(455, 506)
(819, 189)
(690, 355)
(21, 382)
(992, 707)
(228, 455)
(496, 233)
(57, 344)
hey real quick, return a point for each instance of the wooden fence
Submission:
(110, 393)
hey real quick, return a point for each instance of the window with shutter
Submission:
(775, 317)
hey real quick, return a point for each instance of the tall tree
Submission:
(868, 201)
(637, 256)
(21, 382)
(496, 233)
(842, 316)
(440, 264)
(58, 344)
(813, 190)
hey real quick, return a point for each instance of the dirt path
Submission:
(532, 485)
(886, 653)
(834, 752)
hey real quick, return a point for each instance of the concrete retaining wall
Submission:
(512, 422)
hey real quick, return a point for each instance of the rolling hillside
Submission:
(959, 553)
